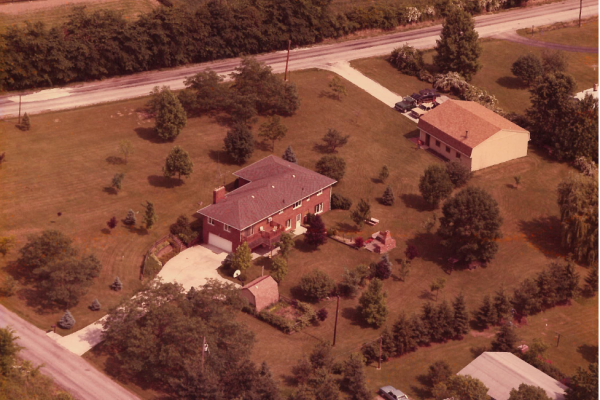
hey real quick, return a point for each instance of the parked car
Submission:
(407, 104)
(429, 95)
(418, 97)
(391, 393)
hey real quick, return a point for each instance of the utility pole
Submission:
(203, 350)
(580, 7)
(557, 339)
(531, 30)
(337, 309)
(288, 59)
(380, 349)
(19, 109)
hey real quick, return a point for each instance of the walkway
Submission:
(515, 37)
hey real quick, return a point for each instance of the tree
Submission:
(460, 323)
(404, 270)
(239, 143)
(286, 244)
(470, 225)
(435, 184)
(528, 68)
(322, 314)
(126, 148)
(407, 59)
(112, 223)
(25, 122)
(182, 229)
(49, 246)
(117, 181)
(591, 280)
(242, 258)
(578, 202)
(205, 92)
(279, 269)
(383, 269)
(388, 196)
(554, 61)
(354, 379)
(528, 392)
(437, 285)
(170, 116)
(463, 387)
(6, 244)
(526, 298)
(95, 306)
(334, 139)
(273, 130)
(338, 88)
(67, 321)
(8, 350)
(8, 287)
(577, 135)
(130, 218)
(404, 335)
(332, 166)
(361, 213)
(438, 372)
(485, 315)
(502, 305)
(353, 279)
(517, 179)
(384, 173)
(372, 304)
(150, 217)
(458, 173)
(506, 339)
(458, 49)
(444, 323)
(178, 163)
(289, 155)
(339, 202)
(316, 234)
(116, 285)
(316, 285)
(584, 384)
(321, 356)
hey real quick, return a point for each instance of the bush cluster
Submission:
(307, 316)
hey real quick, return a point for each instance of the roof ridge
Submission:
(478, 116)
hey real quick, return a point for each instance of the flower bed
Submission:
(287, 317)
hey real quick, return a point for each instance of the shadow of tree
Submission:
(353, 315)
(430, 248)
(139, 230)
(116, 160)
(511, 82)
(106, 231)
(147, 133)
(415, 201)
(164, 182)
(263, 145)
(588, 352)
(37, 299)
(544, 234)
(304, 247)
(427, 295)
(221, 156)
(329, 95)
(346, 228)
(321, 148)
(110, 190)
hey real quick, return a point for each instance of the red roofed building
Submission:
(261, 292)
(272, 196)
(472, 134)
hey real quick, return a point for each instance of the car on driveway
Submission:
(391, 393)
(407, 104)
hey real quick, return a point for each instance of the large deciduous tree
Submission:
(528, 68)
(584, 384)
(242, 258)
(463, 387)
(458, 48)
(239, 143)
(273, 130)
(528, 392)
(178, 163)
(372, 304)
(435, 184)
(470, 225)
(170, 116)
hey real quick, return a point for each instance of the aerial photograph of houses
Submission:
(299, 199)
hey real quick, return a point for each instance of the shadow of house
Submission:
(544, 234)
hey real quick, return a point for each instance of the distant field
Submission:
(55, 16)
(566, 33)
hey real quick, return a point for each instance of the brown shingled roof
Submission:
(275, 184)
(265, 291)
(451, 121)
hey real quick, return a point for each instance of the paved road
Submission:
(137, 85)
(69, 371)
(515, 37)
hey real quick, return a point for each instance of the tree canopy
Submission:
(435, 184)
(528, 392)
(372, 304)
(178, 163)
(170, 116)
(239, 143)
(332, 166)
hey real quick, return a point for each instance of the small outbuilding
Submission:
(502, 371)
(472, 134)
(261, 292)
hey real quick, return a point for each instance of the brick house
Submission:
(471, 134)
(261, 292)
(272, 196)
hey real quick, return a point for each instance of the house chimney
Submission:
(218, 194)
(466, 134)
(595, 87)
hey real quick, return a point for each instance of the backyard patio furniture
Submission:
(372, 221)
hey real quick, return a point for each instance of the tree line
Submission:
(101, 44)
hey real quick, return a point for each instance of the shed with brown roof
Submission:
(472, 134)
(261, 292)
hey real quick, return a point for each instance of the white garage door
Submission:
(219, 242)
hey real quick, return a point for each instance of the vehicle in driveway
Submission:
(428, 95)
(391, 393)
(407, 104)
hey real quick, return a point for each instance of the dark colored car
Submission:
(391, 393)
(418, 97)
(407, 104)
(428, 95)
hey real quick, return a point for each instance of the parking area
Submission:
(416, 105)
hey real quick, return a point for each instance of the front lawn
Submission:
(568, 33)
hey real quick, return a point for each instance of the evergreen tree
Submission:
(170, 116)
(316, 234)
(435, 184)
(239, 143)
(112, 223)
(404, 335)
(361, 213)
(273, 130)
(486, 314)
(67, 321)
(383, 270)
(178, 163)
(354, 379)
(242, 258)
(502, 305)
(445, 321)
(279, 269)
(591, 280)
(130, 218)
(289, 155)
(150, 217)
(384, 174)
(116, 285)
(460, 323)
(25, 122)
(458, 48)
(95, 306)
(547, 288)
(373, 307)
(334, 139)
(421, 332)
(388, 344)
(526, 298)
(566, 280)
(117, 181)
(428, 318)
(388, 196)
(506, 339)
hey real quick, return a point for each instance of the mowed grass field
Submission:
(55, 16)
(64, 163)
(495, 76)
(564, 33)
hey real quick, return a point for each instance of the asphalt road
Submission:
(131, 86)
(68, 370)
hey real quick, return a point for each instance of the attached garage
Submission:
(220, 242)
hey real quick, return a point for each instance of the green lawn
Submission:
(495, 76)
(568, 33)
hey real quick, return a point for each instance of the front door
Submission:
(427, 139)
(298, 220)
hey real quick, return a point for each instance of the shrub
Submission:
(67, 321)
(438, 372)
(407, 60)
(277, 321)
(388, 197)
(183, 230)
(95, 306)
(458, 173)
(9, 287)
(339, 202)
(332, 166)
(116, 285)
(383, 270)
(130, 218)
(316, 285)
(152, 266)
(112, 223)
(25, 122)
(322, 314)
(359, 242)
(6, 244)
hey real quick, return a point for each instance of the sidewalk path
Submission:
(68, 370)
(515, 37)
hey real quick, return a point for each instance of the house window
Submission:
(320, 192)
(288, 224)
(226, 228)
(448, 149)
(252, 230)
(437, 143)
(319, 208)
(211, 221)
(297, 204)
(457, 154)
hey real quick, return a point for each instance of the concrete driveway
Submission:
(192, 267)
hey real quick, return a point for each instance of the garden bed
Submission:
(289, 317)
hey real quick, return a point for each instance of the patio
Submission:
(265, 251)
